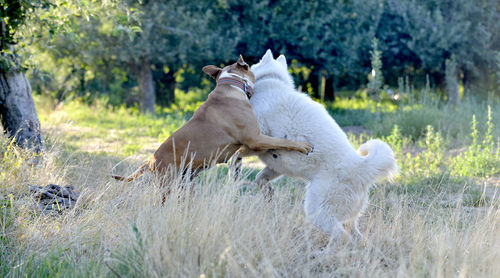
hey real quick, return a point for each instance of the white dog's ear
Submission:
(282, 60)
(268, 56)
(213, 71)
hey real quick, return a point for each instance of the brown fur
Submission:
(219, 127)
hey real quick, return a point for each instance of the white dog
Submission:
(339, 176)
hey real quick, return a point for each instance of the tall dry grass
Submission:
(121, 229)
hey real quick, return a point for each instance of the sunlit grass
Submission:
(113, 130)
(365, 103)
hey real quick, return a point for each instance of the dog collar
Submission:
(242, 85)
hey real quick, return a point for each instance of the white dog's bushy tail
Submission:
(378, 161)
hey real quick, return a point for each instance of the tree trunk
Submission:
(17, 111)
(452, 90)
(81, 90)
(330, 88)
(314, 78)
(467, 82)
(164, 86)
(451, 81)
(322, 82)
(146, 85)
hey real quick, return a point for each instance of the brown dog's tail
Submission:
(135, 175)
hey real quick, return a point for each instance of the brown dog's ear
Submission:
(242, 63)
(213, 71)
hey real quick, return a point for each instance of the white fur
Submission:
(339, 176)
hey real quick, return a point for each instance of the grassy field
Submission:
(439, 218)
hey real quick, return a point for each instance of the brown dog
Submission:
(219, 127)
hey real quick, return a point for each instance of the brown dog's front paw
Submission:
(305, 147)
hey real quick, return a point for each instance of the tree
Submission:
(130, 45)
(72, 58)
(163, 33)
(17, 108)
(330, 36)
(418, 36)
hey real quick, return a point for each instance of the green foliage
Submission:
(7, 219)
(482, 157)
(7, 216)
(419, 32)
(54, 262)
(107, 51)
(395, 140)
(425, 161)
(429, 157)
(430, 160)
(13, 15)
(156, 29)
(14, 159)
(70, 60)
(130, 262)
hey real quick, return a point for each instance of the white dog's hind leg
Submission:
(352, 228)
(318, 211)
(330, 204)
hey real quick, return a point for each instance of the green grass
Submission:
(413, 113)
(107, 129)
(439, 217)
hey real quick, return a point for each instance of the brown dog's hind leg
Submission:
(168, 175)
(236, 163)
(235, 167)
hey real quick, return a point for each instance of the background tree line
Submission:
(139, 51)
